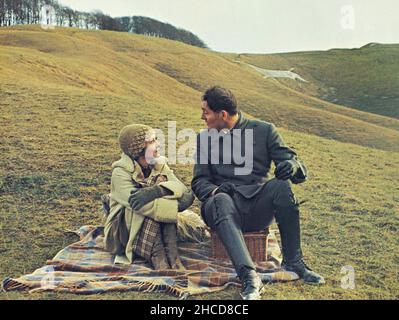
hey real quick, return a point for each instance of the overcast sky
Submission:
(267, 26)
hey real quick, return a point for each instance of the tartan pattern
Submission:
(85, 267)
(142, 245)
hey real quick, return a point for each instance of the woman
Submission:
(145, 200)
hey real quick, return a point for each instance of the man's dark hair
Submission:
(219, 99)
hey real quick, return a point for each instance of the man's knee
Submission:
(282, 184)
(283, 192)
(218, 208)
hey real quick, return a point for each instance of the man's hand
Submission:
(226, 187)
(286, 169)
(139, 198)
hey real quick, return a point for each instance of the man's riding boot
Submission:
(158, 256)
(231, 237)
(287, 219)
(251, 285)
(169, 233)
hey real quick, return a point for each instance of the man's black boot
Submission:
(287, 219)
(251, 285)
(231, 237)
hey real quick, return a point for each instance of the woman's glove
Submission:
(139, 198)
(185, 201)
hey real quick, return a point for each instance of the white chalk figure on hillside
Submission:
(268, 73)
(280, 74)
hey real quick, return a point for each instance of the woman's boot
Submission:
(158, 258)
(169, 233)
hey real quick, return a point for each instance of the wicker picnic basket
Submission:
(256, 243)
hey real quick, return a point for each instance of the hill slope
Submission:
(166, 71)
(64, 96)
(366, 78)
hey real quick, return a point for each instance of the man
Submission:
(234, 201)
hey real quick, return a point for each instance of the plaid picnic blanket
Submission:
(85, 267)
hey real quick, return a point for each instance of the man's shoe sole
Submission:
(262, 290)
(315, 283)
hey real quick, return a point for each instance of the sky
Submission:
(267, 26)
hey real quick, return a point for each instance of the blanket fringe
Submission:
(9, 284)
(150, 286)
(182, 294)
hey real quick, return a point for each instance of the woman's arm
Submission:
(161, 209)
(121, 186)
(187, 197)
(185, 201)
(173, 184)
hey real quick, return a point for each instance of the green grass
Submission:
(171, 73)
(58, 139)
(366, 78)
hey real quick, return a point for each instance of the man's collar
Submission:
(241, 121)
(240, 124)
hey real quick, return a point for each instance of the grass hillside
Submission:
(64, 96)
(366, 78)
(170, 72)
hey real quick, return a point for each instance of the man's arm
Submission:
(279, 152)
(202, 183)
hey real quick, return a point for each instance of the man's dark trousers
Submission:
(249, 214)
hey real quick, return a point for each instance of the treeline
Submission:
(13, 12)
